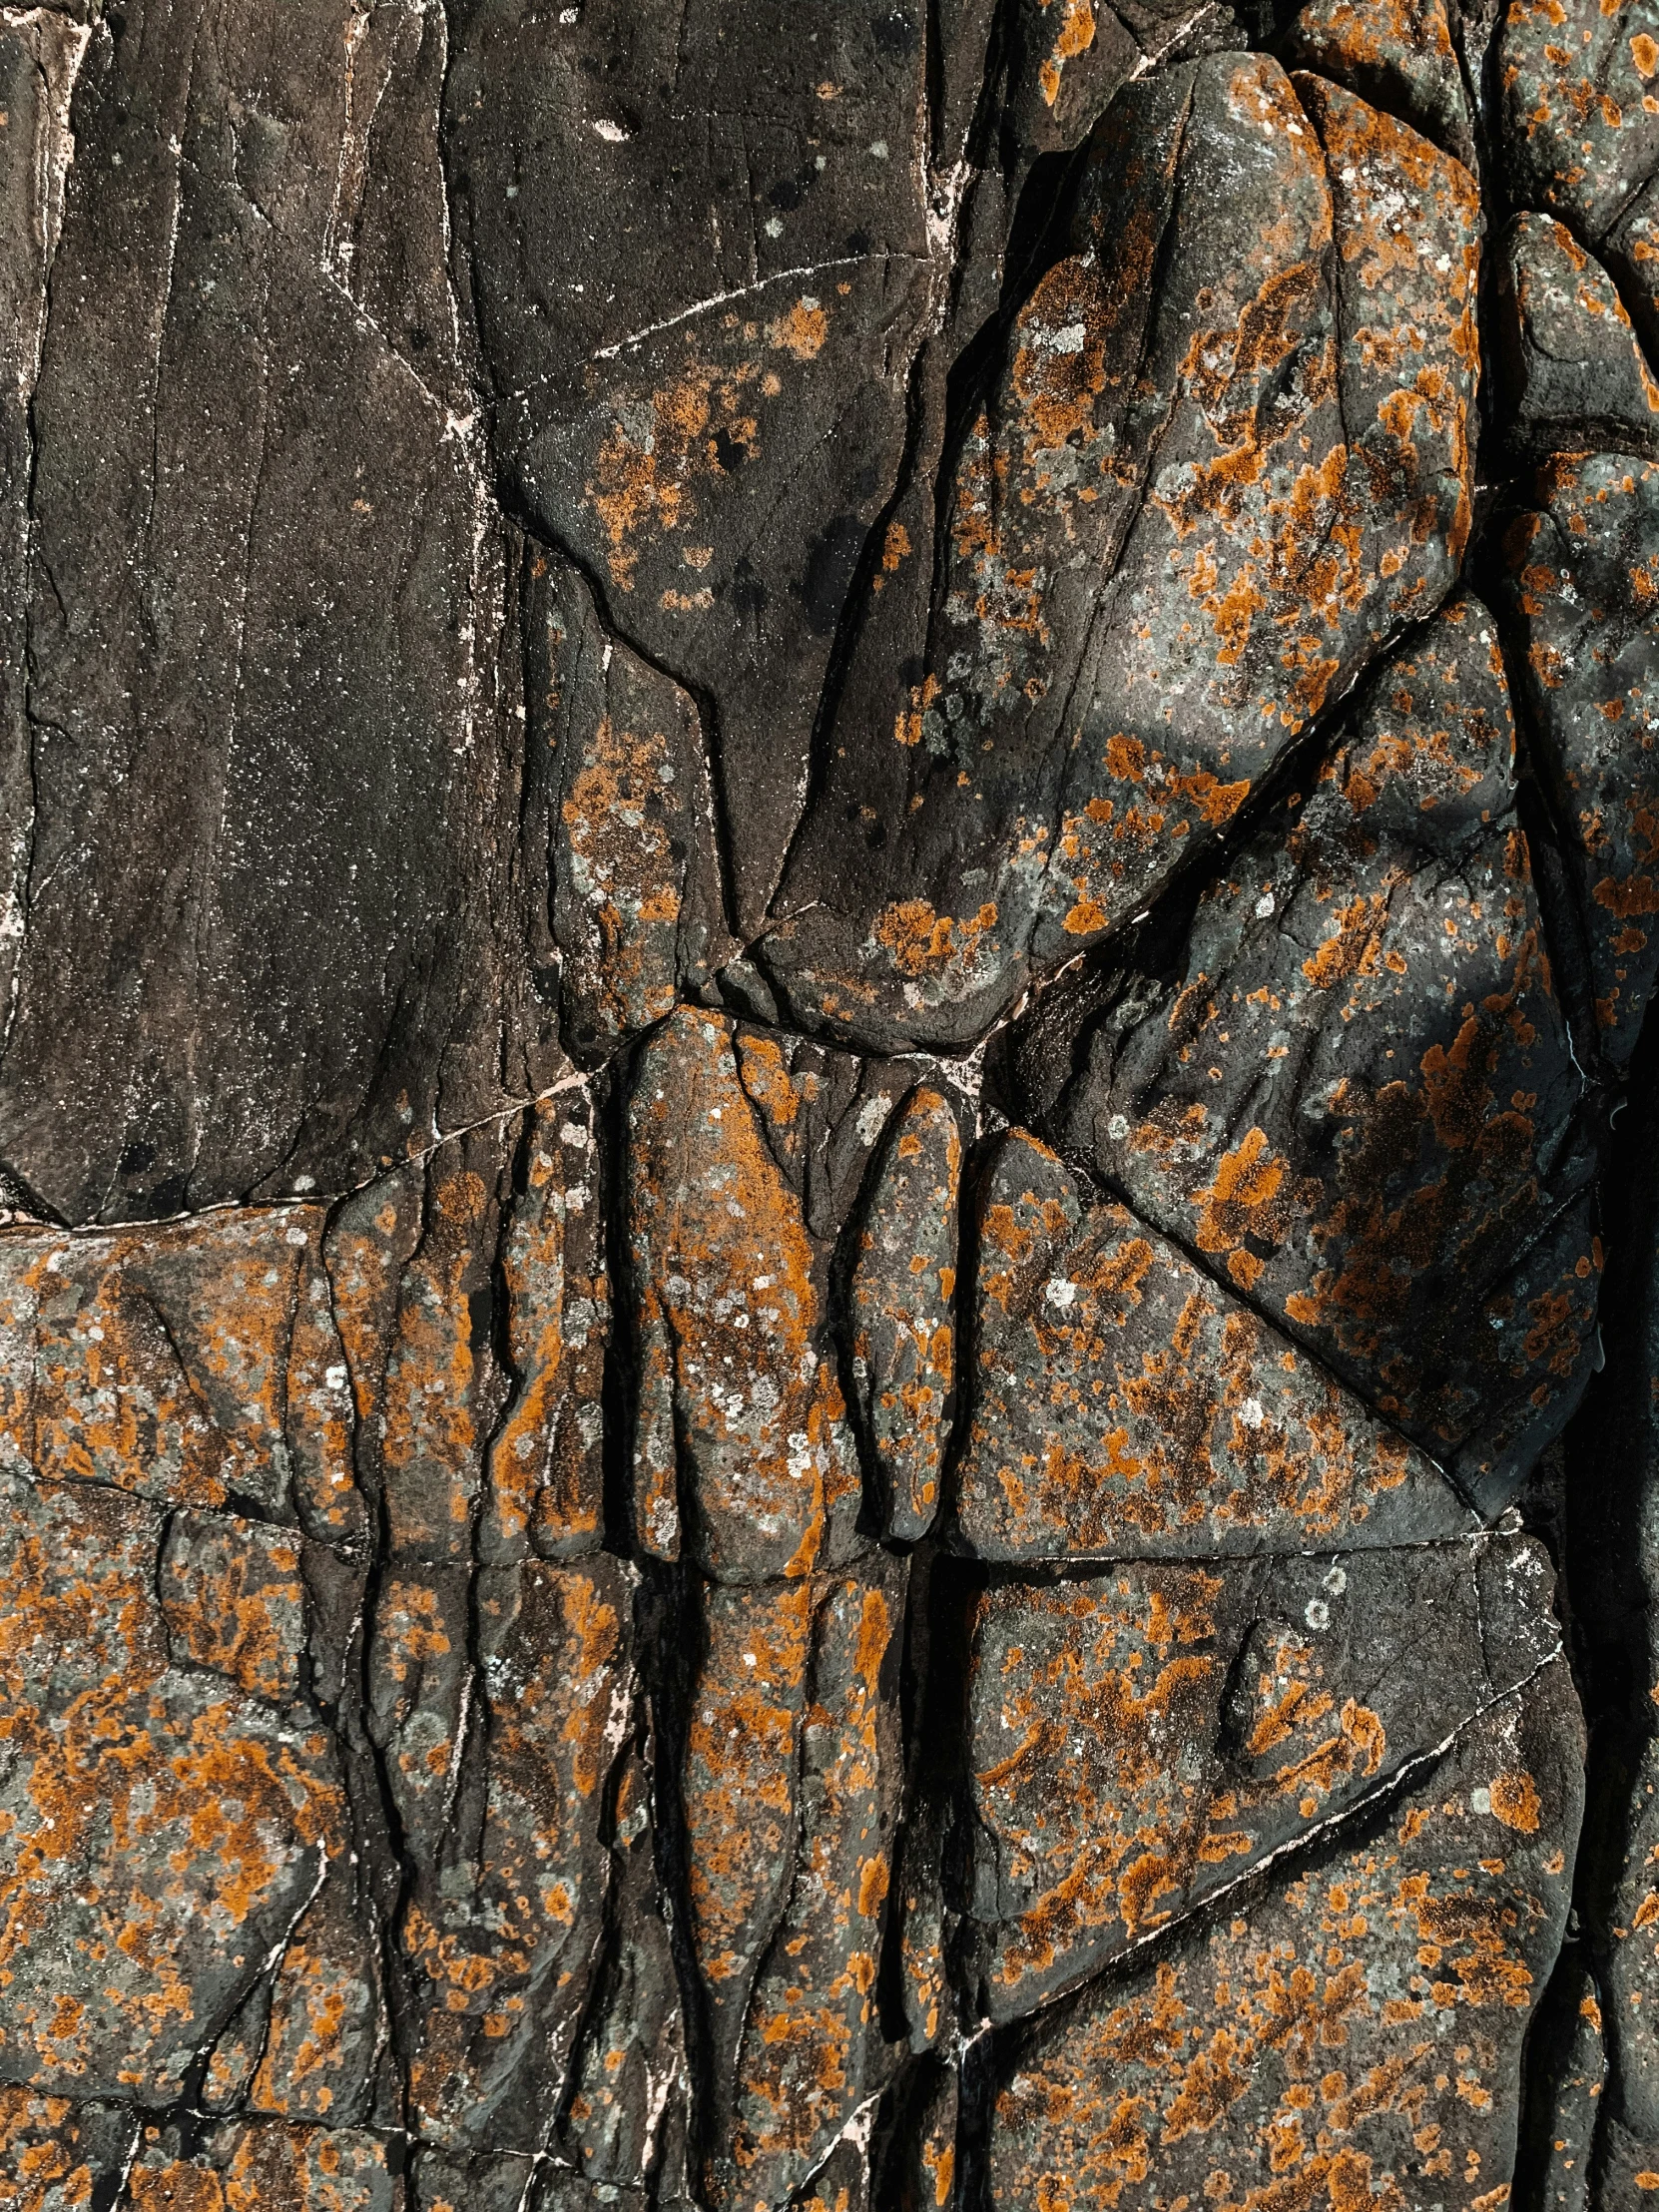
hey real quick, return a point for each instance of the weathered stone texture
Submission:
(828, 1194)
(1354, 1093)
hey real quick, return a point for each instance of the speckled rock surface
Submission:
(829, 1146)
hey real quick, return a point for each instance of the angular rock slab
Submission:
(1399, 57)
(791, 1785)
(1580, 107)
(902, 1312)
(413, 1261)
(636, 892)
(199, 1364)
(1582, 585)
(735, 1378)
(274, 778)
(1127, 1405)
(499, 1769)
(1566, 2077)
(545, 1476)
(1572, 371)
(1225, 456)
(242, 2168)
(168, 1842)
(628, 2115)
(1352, 2038)
(1356, 1095)
(41, 53)
(1142, 1739)
(701, 383)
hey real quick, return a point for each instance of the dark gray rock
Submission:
(805, 1116)
(699, 382)
(1352, 1092)
(1144, 1739)
(1579, 581)
(1184, 518)
(1567, 2073)
(1571, 367)
(265, 617)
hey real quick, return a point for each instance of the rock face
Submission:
(828, 1306)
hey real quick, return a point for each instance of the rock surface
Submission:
(828, 1321)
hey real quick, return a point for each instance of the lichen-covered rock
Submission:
(490, 2182)
(232, 1599)
(55, 2153)
(1399, 56)
(904, 1308)
(791, 1787)
(507, 1704)
(195, 1365)
(1354, 1095)
(701, 383)
(1583, 575)
(1631, 250)
(1141, 1739)
(1227, 458)
(1350, 2038)
(545, 1464)
(813, 2046)
(747, 1706)
(636, 892)
(165, 1833)
(808, 1100)
(1580, 117)
(1572, 368)
(442, 1388)
(1629, 1960)
(1127, 1405)
(628, 2117)
(742, 1439)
